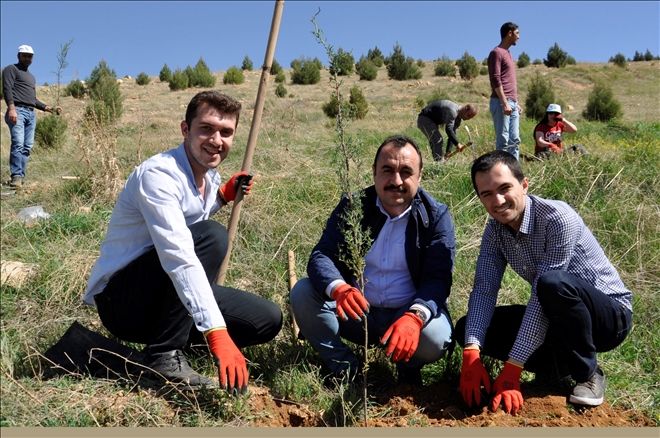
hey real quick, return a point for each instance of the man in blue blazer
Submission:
(407, 272)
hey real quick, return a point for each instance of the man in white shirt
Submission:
(154, 282)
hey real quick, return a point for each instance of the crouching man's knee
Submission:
(434, 340)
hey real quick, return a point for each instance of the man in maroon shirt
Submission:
(504, 105)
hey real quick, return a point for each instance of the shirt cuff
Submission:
(332, 286)
(422, 308)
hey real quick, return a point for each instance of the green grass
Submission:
(616, 189)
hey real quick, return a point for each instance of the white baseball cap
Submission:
(25, 49)
(553, 108)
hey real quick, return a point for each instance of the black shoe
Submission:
(591, 392)
(173, 367)
(409, 375)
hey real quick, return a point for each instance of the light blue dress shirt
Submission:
(159, 201)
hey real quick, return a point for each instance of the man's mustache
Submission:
(393, 188)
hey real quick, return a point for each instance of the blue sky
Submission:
(139, 36)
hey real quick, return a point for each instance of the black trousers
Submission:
(583, 321)
(139, 303)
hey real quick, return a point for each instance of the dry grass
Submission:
(296, 187)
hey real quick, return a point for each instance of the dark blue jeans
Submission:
(140, 304)
(583, 322)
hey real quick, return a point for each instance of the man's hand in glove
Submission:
(473, 375)
(350, 301)
(402, 338)
(241, 180)
(232, 369)
(507, 389)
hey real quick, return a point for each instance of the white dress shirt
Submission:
(159, 202)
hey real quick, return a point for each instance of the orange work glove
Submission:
(350, 301)
(403, 337)
(229, 189)
(507, 389)
(232, 369)
(473, 375)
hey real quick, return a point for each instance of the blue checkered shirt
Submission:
(552, 237)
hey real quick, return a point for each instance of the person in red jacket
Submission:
(548, 133)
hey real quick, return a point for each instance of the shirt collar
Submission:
(405, 213)
(527, 224)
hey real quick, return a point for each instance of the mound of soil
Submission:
(440, 405)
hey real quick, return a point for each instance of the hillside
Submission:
(616, 189)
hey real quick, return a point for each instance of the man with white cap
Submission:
(19, 89)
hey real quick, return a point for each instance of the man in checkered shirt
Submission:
(578, 305)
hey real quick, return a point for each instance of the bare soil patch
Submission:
(440, 405)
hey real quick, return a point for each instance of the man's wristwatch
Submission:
(420, 314)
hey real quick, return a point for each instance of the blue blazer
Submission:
(430, 247)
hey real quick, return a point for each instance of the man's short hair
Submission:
(506, 28)
(399, 141)
(471, 109)
(221, 102)
(487, 161)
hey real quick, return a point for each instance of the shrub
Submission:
(142, 79)
(343, 63)
(570, 60)
(400, 67)
(468, 67)
(331, 108)
(445, 67)
(366, 69)
(101, 70)
(305, 71)
(50, 132)
(539, 96)
(179, 80)
(556, 57)
(421, 63)
(201, 76)
(247, 64)
(601, 104)
(523, 60)
(280, 78)
(192, 76)
(75, 89)
(358, 103)
(106, 104)
(275, 67)
(537, 61)
(280, 90)
(648, 56)
(483, 70)
(376, 56)
(165, 74)
(356, 107)
(233, 75)
(619, 60)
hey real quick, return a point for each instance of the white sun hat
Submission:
(553, 108)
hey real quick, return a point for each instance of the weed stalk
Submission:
(349, 165)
